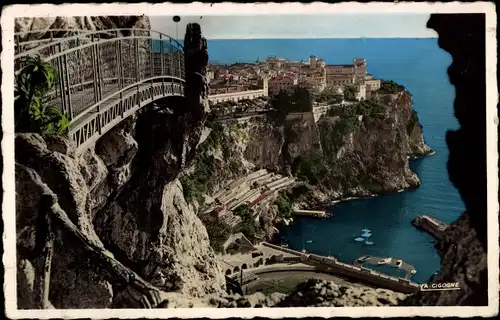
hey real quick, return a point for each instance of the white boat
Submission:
(368, 242)
(359, 239)
(366, 230)
(366, 235)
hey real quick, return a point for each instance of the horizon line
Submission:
(308, 38)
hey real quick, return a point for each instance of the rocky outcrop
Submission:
(370, 157)
(149, 224)
(314, 293)
(320, 293)
(121, 197)
(74, 283)
(463, 260)
(463, 249)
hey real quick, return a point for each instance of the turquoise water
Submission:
(420, 65)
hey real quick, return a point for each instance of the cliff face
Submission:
(463, 260)
(369, 158)
(464, 247)
(122, 195)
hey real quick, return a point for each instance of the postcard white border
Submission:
(9, 237)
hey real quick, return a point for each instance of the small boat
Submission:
(368, 242)
(366, 230)
(359, 239)
(366, 235)
(309, 241)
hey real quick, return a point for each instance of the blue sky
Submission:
(346, 25)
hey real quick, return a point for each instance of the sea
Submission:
(420, 65)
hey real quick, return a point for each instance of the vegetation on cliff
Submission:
(356, 149)
(299, 100)
(390, 87)
(32, 110)
(329, 96)
(249, 225)
(350, 93)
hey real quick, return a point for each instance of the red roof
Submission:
(281, 78)
(337, 66)
(219, 209)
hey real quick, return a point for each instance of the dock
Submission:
(311, 213)
(393, 262)
(431, 225)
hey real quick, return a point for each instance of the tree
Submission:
(32, 111)
(301, 100)
(350, 93)
(390, 87)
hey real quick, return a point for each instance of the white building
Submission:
(361, 94)
(241, 95)
(372, 85)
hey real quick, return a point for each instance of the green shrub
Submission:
(218, 233)
(310, 168)
(369, 108)
(390, 87)
(329, 96)
(350, 93)
(283, 103)
(284, 205)
(196, 184)
(247, 226)
(33, 113)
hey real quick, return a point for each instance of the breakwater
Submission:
(310, 213)
(431, 225)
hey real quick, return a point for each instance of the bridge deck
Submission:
(108, 91)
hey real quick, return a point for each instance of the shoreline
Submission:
(351, 198)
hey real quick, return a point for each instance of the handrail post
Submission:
(179, 58)
(137, 75)
(61, 80)
(94, 68)
(162, 73)
(162, 53)
(121, 64)
(68, 87)
(136, 56)
(118, 64)
(151, 59)
(170, 58)
(78, 58)
(99, 74)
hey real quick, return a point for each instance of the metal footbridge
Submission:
(105, 76)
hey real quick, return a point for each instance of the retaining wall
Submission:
(362, 274)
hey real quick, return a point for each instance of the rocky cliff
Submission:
(122, 199)
(124, 233)
(464, 247)
(339, 155)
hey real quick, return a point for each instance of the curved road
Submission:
(286, 281)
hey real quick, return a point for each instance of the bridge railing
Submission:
(27, 40)
(94, 65)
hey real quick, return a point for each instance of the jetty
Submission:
(310, 213)
(393, 262)
(431, 225)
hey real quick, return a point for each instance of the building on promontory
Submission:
(279, 83)
(221, 90)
